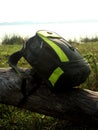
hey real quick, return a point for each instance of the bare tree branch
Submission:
(76, 105)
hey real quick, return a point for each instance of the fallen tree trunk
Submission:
(76, 105)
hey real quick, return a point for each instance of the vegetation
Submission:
(86, 39)
(12, 118)
(10, 40)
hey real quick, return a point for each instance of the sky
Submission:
(48, 10)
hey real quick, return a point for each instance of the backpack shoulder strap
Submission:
(13, 60)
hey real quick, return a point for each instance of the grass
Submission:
(12, 118)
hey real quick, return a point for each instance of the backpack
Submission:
(55, 60)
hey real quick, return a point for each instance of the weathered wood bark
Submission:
(76, 105)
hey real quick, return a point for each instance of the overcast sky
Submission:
(48, 10)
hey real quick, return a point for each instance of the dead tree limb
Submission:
(76, 105)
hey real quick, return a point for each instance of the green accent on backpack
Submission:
(55, 47)
(48, 34)
(55, 75)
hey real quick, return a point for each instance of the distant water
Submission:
(67, 30)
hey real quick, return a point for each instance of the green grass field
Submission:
(12, 118)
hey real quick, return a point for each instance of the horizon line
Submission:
(42, 22)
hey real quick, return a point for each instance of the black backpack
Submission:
(55, 60)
